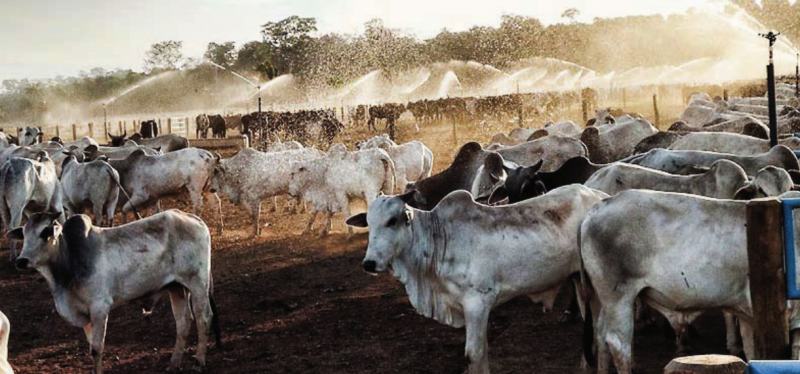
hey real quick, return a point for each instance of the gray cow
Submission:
(686, 162)
(94, 185)
(27, 186)
(92, 270)
(462, 259)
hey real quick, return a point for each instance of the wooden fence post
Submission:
(159, 125)
(91, 129)
(767, 278)
(169, 126)
(105, 130)
(624, 98)
(58, 132)
(584, 109)
(121, 130)
(655, 109)
(74, 132)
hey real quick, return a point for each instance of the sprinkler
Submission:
(773, 115)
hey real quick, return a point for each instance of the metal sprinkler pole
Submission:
(797, 77)
(773, 115)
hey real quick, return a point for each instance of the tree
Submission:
(163, 55)
(571, 14)
(223, 54)
(288, 38)
(256, 56)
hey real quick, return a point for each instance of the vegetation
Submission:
(291, 46)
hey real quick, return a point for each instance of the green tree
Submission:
(163, 55)
(256, 56)
(289, 38)
(223, 54)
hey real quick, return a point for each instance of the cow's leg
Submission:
(794, 336)
(274, 207)
(326, 228)
(202, 315)
(254, 207)
(97, 212)
(731, 334)
(220, 224)
(619, 333)
(311, 220)
(476, 348)
(180, 310)
(748, 342)
(99, 316)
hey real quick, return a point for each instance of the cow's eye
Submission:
(392, 221)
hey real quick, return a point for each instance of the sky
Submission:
(47, 38)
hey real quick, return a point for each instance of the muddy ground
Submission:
(297, 304)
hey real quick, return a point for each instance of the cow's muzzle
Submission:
(21, 263)
(370, 266)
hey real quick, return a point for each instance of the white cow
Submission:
(729, 143)
(28, 186)
(412, 161)
(681, 254)
(462, 259)
(723, 180)
(252, 176)
(615, 141)
(94, 185)
(329, 183)
(5, 331)
(92, 270)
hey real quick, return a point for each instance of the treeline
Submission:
(293, 46)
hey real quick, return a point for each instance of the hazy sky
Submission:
(45, 38)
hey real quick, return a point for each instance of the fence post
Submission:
(159, 125)
(119, 126)
(584, 109)
(105, 130)
(58, 132)
(74, 132)
(655, 109)
(91, 129)
(169, 126)
(767, 278)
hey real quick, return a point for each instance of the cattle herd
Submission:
(630, 219)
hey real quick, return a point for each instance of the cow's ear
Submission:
(499, 194)
(408, 196)
(747, 192)
(358, 220)
(15, 234)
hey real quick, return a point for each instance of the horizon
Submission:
(38, 56)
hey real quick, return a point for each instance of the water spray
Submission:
(251, 83)
(773, 115)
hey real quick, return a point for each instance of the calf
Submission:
(462, 259)
(92, 270)
(28, 186)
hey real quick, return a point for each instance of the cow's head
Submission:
(519, 184)
(769, 181)
(118, 141)
(40, 237)
(389, 220)
(29, 136)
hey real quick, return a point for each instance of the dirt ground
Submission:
(297, 304)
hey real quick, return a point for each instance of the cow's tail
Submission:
(115, 177)
(388, 171)
(585, 293)
(214, 313)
